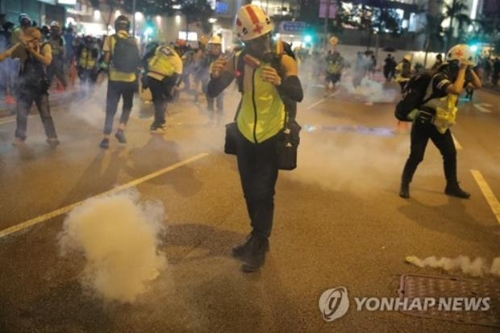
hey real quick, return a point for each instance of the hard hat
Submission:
(215, 39)
(203, 39)
(54, 24)
(122, 23)
(252, 22)
(334, 41)
(461, 52)
(24, 19)
(408, 57)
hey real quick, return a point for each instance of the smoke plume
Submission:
(476, 267)
(118, 237)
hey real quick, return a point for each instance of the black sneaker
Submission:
(120, 136)
(454, 190)
(158, 129)
(256, 255)
(104, 144)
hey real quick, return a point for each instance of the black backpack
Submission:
(125, 55)
(413, 96)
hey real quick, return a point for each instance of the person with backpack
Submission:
(435, 114)
(122, 59)
(33, 84)
(56, 68)
(267, 78)
(163, 70)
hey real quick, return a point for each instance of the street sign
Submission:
(293, 26)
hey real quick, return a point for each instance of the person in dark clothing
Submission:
(434, 119)
(33, 84)
(86, 60)
(56, 68)
(270, 91)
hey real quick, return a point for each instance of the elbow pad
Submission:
(291, 88)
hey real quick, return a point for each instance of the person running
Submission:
(121, 57)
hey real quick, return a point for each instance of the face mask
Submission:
(262, 48)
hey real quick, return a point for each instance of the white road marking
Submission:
(458, 146)
(8, 120)
(318, 102)
(482, 108)
(488, 193)
(60, 211)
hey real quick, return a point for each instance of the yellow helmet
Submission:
(215, 39)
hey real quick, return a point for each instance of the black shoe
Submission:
(120, 136)
(240, 251)
(454, 190)
(256, 255)
(404, 191)
(104, 144)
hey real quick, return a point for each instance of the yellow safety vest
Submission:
(262, 112)
(86, 61)
(165, 62)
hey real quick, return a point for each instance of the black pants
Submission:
(157, 89)
(117, 89)
(420, 135)
(25, 100)
(258, 168)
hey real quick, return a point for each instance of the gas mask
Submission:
(262, 48)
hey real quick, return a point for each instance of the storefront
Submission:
(40, 11)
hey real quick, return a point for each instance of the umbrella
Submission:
(389, 49)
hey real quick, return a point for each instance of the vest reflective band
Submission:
(86, 61)
(262, 112)
(162, 62)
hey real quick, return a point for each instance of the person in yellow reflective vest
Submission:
(269, 84)
(163, 70)
(86, 61)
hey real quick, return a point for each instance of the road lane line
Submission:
(488, 193)
(318, 102)
(60, 211)
(482, 108)
(458, 146)
(7, 120)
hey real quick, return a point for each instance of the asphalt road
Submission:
(338, 219)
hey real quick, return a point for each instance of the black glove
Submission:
(144, 82)
(424, 117)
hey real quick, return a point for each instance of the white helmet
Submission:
(461, 52)
(252, 22)
(215, 39)
(54, 24)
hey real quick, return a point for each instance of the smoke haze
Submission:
(118, 237)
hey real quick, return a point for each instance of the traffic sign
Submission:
(293, 26)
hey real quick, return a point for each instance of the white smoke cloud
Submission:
(370, 91)
(477, 267)
(119, 239)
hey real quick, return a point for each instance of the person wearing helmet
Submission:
(435, 117)
(268, 80)
(213, 52)
(86, 60)
(162, 73)
(57, 43)
(404, 71)
(121, 57)
(33, 84)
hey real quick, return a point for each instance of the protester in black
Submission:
(434, 119)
